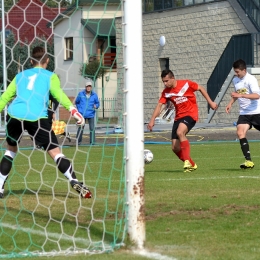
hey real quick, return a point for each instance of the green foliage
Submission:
(92, 69)
(18, 56)
(56, 3)
(51, 3)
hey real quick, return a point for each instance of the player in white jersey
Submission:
(247, 92)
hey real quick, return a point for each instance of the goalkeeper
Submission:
(29, 111)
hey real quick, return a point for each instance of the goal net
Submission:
(40, 213)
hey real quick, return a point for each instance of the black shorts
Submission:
(251, 120)
(187, 120)
(40, 131)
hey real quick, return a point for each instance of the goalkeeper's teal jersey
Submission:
(31, 89)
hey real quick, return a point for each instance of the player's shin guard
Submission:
(65, 166)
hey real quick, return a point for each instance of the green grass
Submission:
(212, 213)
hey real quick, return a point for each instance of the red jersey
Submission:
(183, 99)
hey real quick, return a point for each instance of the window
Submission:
(160, 5)
(69, 48)
(164, 64)
(7, 33)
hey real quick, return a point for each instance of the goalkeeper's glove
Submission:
(79, 118)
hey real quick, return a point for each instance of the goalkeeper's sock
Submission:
(65, 167)
(6, 166)
(2, 181)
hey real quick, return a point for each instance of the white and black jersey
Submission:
(247, 85)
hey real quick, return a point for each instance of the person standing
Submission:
(29, 95)
(181, 94)
(87, 102)
(247, 93)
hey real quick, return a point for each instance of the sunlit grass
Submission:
(212, 213)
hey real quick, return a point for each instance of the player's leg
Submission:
(175, 141)
(185, 125)
(79, 134)
(91, 122)
(48, 140)
(243, 125)
(67, 135)
(14, 132)
(65, 166)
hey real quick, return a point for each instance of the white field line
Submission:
(43, 234)
(58, 237)
(210, 178)
(152, 255)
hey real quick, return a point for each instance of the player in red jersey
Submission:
(181, 94)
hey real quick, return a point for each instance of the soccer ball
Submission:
(148, 156)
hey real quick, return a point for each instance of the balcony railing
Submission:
(110, 60)
(252, 9)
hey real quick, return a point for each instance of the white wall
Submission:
(84, 43)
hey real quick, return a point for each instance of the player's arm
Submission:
(8, 94)
(248, 96)
(156, 113)
(229, 105)
(63, 99)
(205, 94)
(58, 93)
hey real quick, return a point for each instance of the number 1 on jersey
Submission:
(31, 81)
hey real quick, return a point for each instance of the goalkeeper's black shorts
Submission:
(40, 131)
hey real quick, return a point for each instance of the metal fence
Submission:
(252, 9)
(108, 108)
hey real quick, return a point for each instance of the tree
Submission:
(57, 3)
(92, 69)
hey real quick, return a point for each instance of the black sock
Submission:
(245, 148)
(64, 165)
(6, 165)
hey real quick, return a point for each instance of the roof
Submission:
(27, 19)
(100, 27)
(81, 3)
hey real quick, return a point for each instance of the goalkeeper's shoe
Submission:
(188, 167)
(247, 165)
(81, 189)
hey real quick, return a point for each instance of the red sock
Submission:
(192, 162)
(185, 148)
(185, 152)
(179, 154)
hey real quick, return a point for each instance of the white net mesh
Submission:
(41, 213)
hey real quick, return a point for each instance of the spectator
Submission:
(87, 102)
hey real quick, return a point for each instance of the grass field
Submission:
(212, 213)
